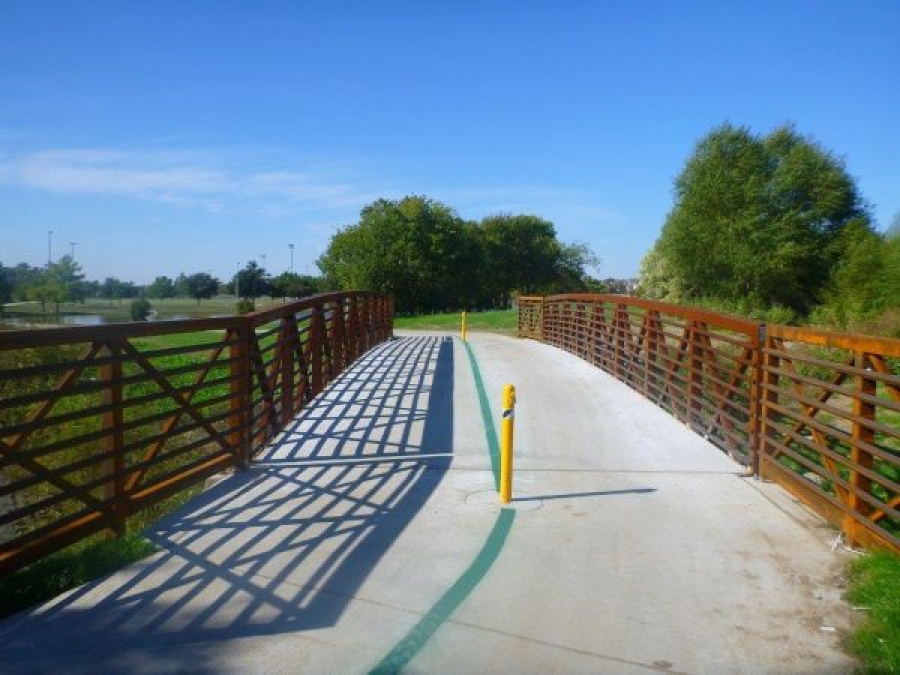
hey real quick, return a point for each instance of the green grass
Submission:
(875, 586)
(503, 321)
(69, 569)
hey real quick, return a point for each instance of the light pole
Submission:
(73, 244)
(49, 248)
(291, 246)
(263, 256)
(237, 283)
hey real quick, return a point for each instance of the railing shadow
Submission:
(283, 546)
(576, 495)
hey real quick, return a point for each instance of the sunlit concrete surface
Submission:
(636, 546)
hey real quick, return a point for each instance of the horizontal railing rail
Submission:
(98, 423)
(815, 411)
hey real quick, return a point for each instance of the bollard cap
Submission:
(509, 396)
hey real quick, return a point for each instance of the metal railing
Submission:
(98, 423)
(817, 412)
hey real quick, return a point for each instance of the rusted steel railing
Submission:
(817, 412)
(831, 420)
(97, 423)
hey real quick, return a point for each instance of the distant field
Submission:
(119, 310)
(503, 321)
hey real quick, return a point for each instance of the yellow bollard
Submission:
(463, 329)
(506, 443)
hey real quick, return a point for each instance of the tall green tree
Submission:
(293, 285)
(61, 282)
(252, 281)
(25, 277)
(6, 284)
(114, 288)
(162, 287)
(415, 248)
(521, 252)
(201, 286)
(759, 219)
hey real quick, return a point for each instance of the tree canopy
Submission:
(430, 259)
(760, 220)
(200, 285)
(252, 281)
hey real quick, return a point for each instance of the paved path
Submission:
(367, 539)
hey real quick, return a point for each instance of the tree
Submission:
(252, 281)
(25, 277)
(140, 309)
(116, 289)
(417, 249)
(201, 285)
(291, 285)
(6, 285)
(520, 253)
(657, 279)
(759, 219)
(60, 282)
(162, 287)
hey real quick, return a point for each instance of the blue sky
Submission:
(193, 136)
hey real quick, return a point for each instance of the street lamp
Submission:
(291, 246)
(73, 244)
(49, 248)
(237, 283)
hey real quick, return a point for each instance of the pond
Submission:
(27, 320)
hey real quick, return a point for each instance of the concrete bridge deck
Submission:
(367, 538)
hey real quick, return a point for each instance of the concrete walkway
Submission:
(368, 538)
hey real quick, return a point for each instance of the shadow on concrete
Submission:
(574, 495)
(281, 547)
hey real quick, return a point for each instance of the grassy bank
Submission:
(875, 589)
(503, 321)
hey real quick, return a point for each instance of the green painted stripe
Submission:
(410, 645)
(490, 431)
(413, 642)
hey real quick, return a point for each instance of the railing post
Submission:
(860, 457)
(695, 375)
(240, 394)
(289, 338)
(771, 363)
(315, 348)
(758, 345)
(113, 467)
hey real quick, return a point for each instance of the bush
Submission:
(140, 309)
(245, 305)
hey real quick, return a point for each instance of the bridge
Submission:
(362, 532)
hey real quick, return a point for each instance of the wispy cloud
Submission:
(184, 179)
(263, 184)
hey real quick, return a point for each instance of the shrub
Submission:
(140, 309)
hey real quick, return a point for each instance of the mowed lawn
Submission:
(502, 321)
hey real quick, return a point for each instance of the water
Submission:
(22, 321)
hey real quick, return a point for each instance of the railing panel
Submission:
(832, 427)
(696, 365)
(97, 423)
(816, 411)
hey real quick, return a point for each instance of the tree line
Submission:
(431, 260)
(417, 249)
(774, 226)
(63, 281)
